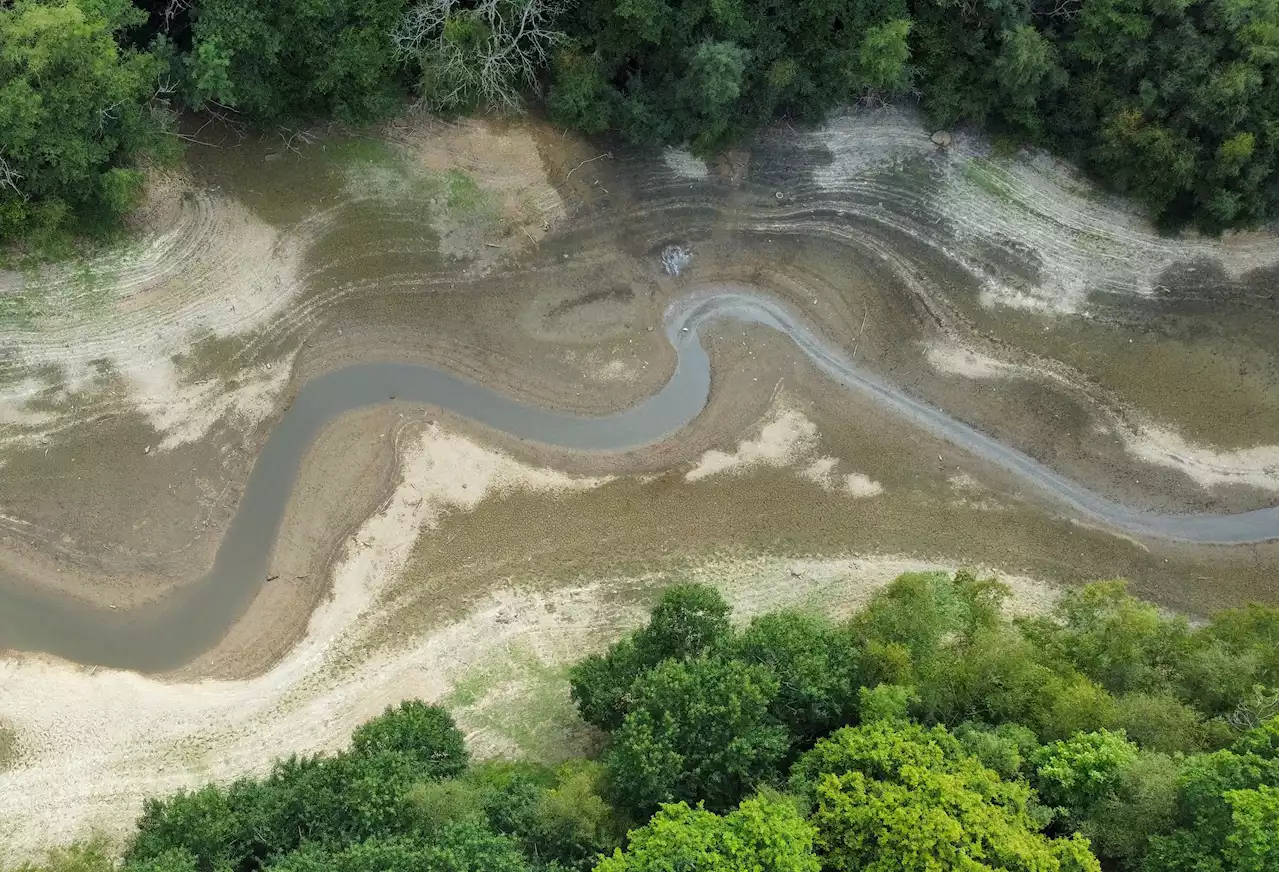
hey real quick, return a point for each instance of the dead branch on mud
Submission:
(289, 136)
(607, 154)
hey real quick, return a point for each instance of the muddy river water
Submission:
(184, 625)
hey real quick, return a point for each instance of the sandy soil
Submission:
(110, 332)
(1037, 234)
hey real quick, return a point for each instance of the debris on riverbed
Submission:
(675, 258)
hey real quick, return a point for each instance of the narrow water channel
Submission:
(179, 628)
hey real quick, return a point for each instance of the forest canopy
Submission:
(927, 732)
(1171, 102)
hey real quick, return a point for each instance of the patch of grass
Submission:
(981, 174)
(462, 195)
(95, 854)
(80, 291)
(211, 356)
(1003, 145)
(10, 753)
(910, 173)
(17, 310)
(359, 150)
(525, 703)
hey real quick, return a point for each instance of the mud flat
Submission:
(94, 743)
(418, 548)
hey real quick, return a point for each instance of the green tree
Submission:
(330, 801)
(711, 89)
(1251, 846)
(1117, 640)
(885, 702)
(1006, 749)
(891, 796)
(883, 59)
(438, 805)
(276, 60)
(1075, 774)
(1026, 71)
(201, 824)
(456, 849)
(77, 114)
(815, 667)
(1143, 803)
(1203, 812)
(764, 833)
(1161, 722)
(921, 610)
(698, 730)
(565, 819)
(689, 620)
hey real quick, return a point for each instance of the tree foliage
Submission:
(892, 796)
(765, 832)
(688, 621)
(713, 723)
(1173, 103)
(698, 730)
(77, 113)
(281, 60)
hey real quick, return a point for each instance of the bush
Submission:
(424, 735)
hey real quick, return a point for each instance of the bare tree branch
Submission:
(289, 137)
(1058, 10)
(1251, 712)
(483, 50)
(9, 177)
(171, 11)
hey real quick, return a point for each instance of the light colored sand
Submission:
(1031, 207)
(785, 437)
(684, 163)
(1144, 439)
(957, 360)
(822, 472)
(1255, 467)
(616, 371)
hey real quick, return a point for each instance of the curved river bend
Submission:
(190, 622)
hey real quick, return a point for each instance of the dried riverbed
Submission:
(138, 387)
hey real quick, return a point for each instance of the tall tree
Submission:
(698, 730)
(277, 60)
(764, 833)
(77, 114)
